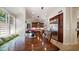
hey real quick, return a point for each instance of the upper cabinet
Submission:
(37, 24)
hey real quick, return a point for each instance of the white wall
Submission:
(69, 24)
(53, 11)
(20, 28)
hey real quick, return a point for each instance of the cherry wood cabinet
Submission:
(34, 24)
(59, 19)
(37, 24)
(60, 27)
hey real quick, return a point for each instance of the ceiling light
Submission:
(42, 8)
(38, 16)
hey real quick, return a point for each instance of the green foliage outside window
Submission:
(7, 39)
(2, 16)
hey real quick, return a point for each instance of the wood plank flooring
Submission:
(39, 44)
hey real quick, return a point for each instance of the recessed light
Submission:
(38, 16)
(42, 8)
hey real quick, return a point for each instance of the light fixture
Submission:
(38, 16)
(42, 8)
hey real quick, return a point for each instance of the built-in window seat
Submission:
(8, 42)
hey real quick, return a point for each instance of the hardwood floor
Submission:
(39, 44)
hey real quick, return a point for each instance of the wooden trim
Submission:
(54, 17)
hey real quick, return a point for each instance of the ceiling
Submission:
(40, 14)
(44, 14)
(37, 13)
(14, 10)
